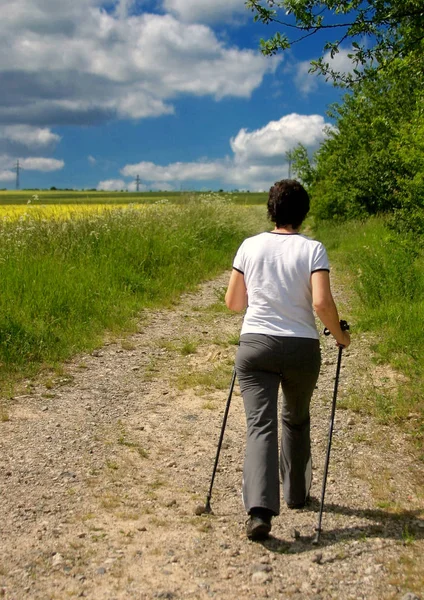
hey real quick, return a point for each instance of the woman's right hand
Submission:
(343, 341)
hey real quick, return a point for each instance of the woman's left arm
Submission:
(236, 296)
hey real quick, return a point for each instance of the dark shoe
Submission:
(257, 528)
(259, 524)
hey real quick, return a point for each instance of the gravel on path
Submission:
(101, 469)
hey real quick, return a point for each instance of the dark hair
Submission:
(288, 203)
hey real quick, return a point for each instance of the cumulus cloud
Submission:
(8, 165)
(23, 140)
(258, 157)
(308, 82)
(7, 175)
(76, 63)
(123, 8)
(116, 185)
(340, 61)
(30, 137)
(46, 165)
(270, 143)
(178, 171)
(305, 82)
(112, 185)
(205, 11)
(132, 187)
(162, 186)
(226, 171)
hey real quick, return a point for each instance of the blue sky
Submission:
(176, 91)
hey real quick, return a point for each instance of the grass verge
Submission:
(66, 282)
(384, 273)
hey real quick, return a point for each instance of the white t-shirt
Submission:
(277, 272)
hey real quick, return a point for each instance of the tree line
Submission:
(372, 161)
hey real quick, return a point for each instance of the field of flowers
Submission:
(71, 272)
(61, 212)
(44, 197)
(61, 197)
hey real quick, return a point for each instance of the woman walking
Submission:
(280, 276)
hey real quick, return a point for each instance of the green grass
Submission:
(188, 347)
(407, 536)
(384, 273)
(66, 282)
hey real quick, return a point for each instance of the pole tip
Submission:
(315, 541)
(203, 509)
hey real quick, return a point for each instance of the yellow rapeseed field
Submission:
(58, 212)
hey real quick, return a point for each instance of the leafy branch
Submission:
(376, 31)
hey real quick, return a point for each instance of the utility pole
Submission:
(289, 158)
(18, 170)
(137, 182)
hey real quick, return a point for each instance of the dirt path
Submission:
(101, 470)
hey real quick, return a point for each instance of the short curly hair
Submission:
(288, 203)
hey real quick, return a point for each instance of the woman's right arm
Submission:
(325, 307)
(236, 296)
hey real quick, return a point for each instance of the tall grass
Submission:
(386, 274)
(64, 282)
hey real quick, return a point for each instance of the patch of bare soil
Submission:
(101, 470)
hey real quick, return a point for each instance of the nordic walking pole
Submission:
(345, 327)
(207, 508)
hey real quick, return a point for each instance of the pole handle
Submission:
(343, 325)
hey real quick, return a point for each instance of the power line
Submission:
(18, 170)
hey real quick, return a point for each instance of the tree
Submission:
(378, 31)
(373, 161)
(301, 165)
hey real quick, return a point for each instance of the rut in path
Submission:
(100, 472)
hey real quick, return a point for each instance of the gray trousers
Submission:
(263, 362)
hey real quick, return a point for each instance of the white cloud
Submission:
(7, 175)
(116, 185)
(270, 143)
(6, 162)
(226, 171)
(258, 156)
(42, 164)
(91, 160)
(73, 62)
(112, 185)
(340, 61)
(178, 171)
(132, 187)
(45, 165)
(163, 187)
(205, 11)
(31, 137)
(308, 82)
(305, 82)
(123, 8)
(155, 185)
